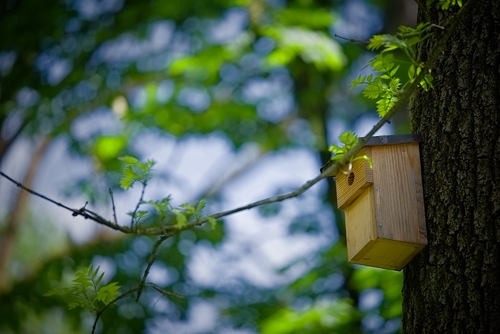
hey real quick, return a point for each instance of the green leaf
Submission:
(188, 208)
(99, 279)
(201, 205)
(394, 71)
(129, 159)
(445, 4)
(384, 105)
(136, 172)
(335, 149)
(411, 73)
(108, 293)
(348, 138)
(383, 62)
(212, 221)
(394, 85)
(373, 90)
(428, 78)
(83, 278)
(357, 82)
(180, 218)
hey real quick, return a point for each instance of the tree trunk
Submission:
(453, 286)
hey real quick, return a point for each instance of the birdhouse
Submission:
(384, 205)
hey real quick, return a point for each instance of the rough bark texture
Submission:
(453, 286)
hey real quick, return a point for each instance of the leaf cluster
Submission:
(349, 140)
(386, 87)
(445, 4)
(86, 292)
(406, 39)
(179, 215)
(135, 171)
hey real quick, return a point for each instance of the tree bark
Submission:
(453, 286)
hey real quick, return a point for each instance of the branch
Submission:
(84, 212)
(163, 291)
(138, 204)
(151, 259)
(351, 40)
(113, 205)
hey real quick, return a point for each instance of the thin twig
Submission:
(113, 205)
(151, 259)
(84, 212)
(101, 311)
(138, 204)
(437, 26)
(351, 40)
(163, 291)
(20, 185)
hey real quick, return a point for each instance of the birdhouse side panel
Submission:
(398, 193)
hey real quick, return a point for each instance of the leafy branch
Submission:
(349, 140)
(386, 87)
(85, 290)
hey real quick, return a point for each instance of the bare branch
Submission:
(151, 259)
(138, 204)
(351, 40)
(84, 212)
(163, 291)
(113, 205)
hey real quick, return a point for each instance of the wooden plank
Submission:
(351, 182)
(360, 223)
(399, 203)
(387, 254)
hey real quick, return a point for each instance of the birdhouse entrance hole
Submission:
(350, 179)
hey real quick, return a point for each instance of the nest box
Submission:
(384, 205)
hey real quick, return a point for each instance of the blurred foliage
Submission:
(100, 74)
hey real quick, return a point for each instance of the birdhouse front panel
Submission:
(384, 208)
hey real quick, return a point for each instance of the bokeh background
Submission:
(236, 100)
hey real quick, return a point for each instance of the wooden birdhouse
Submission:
(384, 205)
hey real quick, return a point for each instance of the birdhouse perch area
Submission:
(384, 205)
